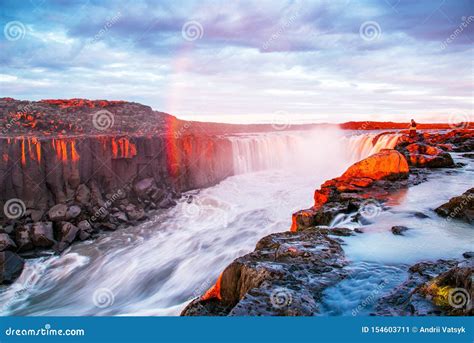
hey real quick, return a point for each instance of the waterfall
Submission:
(364, 145)
(262, 152)
(257, 152)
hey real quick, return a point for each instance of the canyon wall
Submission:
(45, 171)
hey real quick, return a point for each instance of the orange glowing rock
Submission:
(385, 164)
(215, 291)
(23, 154)
(123, 148)
(74, 154)
(66, 103)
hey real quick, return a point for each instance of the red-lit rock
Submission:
(422, 155)
(387, 164)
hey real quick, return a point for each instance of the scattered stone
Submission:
(73, 212)
(58, 213)
(134, 213)
(144, 187)
(68, 232)
(22, 238)
(36, 215)
(120, 216)
(42, 234)
(108, 226)
(167, 202)
(399, 230)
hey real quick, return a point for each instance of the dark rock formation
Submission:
(285, 276)
(460, 207)
(436, 288)
(11, 266)
(399, 230)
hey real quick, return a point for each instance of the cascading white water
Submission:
(156, 268)
(361, 146)
(260, 152)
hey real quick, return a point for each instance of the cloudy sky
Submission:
(247, 61)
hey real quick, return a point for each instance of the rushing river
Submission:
(158, 267)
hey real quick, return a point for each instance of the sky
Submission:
(247, 61)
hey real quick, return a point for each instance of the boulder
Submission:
(120, 216)
(6, 243)
(144, 187)
(83, 194)
(387, 164)
(399, 230)
(423, 155)
(23, 238)
(68, 232)
(58, 212)
(460, 207)
(42, 234)
(11, 266)
(85, 230)
(73, 212)
(167, 202)
(134, 213)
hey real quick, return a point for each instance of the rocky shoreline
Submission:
(288, 271)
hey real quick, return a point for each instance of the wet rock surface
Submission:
(399, 230)
(284, 276)
(11, 266)
(460, 207)
(439, 288)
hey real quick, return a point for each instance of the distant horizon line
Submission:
(268, 122)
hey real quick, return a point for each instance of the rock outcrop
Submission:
(284, 276)
(365, 184)
(423, 155)
(460, 207)
(11, 266)
(440, 288)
